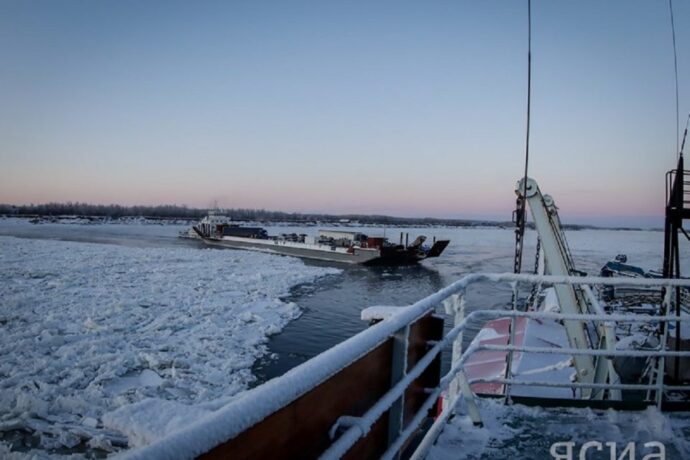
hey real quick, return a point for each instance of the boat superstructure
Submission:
(348, 247)
(590, 371)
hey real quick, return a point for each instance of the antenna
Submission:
(675, 68)
(529, 88)
(522, 202)
(685, 134)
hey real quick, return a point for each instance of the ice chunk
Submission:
(91, 328)
(151, 419)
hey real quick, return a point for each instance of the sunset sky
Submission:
(399, 108)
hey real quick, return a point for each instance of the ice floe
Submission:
(107, 346)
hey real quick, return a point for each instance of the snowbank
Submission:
(106, 346)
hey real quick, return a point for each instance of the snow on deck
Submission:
(106, 346)
(518, 431)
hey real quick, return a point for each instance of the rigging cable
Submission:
(685, 134)
(675, 68)
(521, 202)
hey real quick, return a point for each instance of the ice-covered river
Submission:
(114, 334)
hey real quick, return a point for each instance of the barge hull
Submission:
(386, 255)
(359, 256)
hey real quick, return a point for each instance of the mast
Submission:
(677, 211)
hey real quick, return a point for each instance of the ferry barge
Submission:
(329, 245)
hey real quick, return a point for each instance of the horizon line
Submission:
(488, 218)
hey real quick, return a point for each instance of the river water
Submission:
(331, 307)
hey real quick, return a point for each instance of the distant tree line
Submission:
(115, 211)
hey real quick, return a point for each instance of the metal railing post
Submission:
(511, 341)
(398, 372)
(661, 362)
(455, 306)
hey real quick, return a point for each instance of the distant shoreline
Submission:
(295, 220)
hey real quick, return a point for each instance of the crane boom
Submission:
(559, 262)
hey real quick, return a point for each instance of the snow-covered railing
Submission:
(259, 403)
(458, 367)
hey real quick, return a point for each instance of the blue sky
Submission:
(401, 108)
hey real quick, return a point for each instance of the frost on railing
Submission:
(260, 403)
(606, 324)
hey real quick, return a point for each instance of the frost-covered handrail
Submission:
(256, 404)
(348, 439)
(601, 386)
(260, 402)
